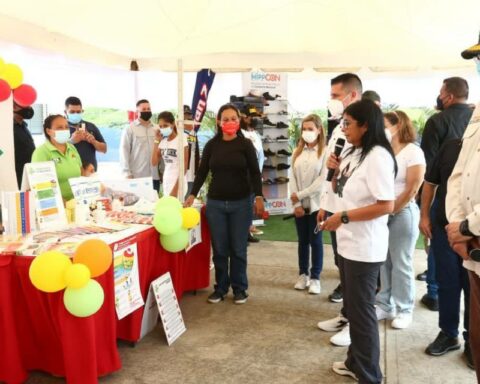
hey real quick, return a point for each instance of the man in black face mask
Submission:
(22, 138)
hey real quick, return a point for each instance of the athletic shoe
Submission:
(341, 369)
(314, 288)
(268, 139)
(283, 153)
(268, 152)
(442, 344)
(383, 315)
(282, 166)
(336, 296)
(240, 297)
(282, 180)
(402, 321)
(430, 303)
(333, 325)
(342, 338)
(281, 124)
(215, 297)
(303, 282)
(281, 139)
(268, 182)
(268, 123)
(266, 166)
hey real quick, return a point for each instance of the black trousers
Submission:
(359, 283)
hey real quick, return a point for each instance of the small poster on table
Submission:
(128, 296)
(167, 303)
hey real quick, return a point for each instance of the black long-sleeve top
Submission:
(234, 167)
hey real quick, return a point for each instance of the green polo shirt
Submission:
(67, 165)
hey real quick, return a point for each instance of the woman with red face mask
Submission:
(232, 161)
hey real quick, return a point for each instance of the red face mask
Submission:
(230, 127)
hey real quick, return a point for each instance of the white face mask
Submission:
(389, 135)
(336, 108)
(309, 136)
(62, 136)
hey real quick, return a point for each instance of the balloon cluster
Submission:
(11, 79)
(173, 222)
(53, 271)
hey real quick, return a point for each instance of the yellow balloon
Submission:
(191, 217)
(13, 75)
(77, 276)
(47, 271)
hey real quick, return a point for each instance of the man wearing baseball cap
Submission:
(463, 212)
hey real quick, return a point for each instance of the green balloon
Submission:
(167, 220)
(84, 301)
(168, 201)
(176, 242)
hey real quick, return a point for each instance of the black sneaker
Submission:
(336, 296)
(282, 166)
(282, 180)
(240, 297)
(268, 123)
(468, 356)
(281, 124)
(422, 276)
(283, 152)
(215, 297)
(442, 344)
(281, 138)
(269, 97)
(268, 152)
(266, 166)
(430, 303)
(268, 182)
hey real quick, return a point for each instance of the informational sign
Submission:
(195, 234)
(150, 314)
(141, 187)
(167, 303)
(128, 296)
(275, 83)
(85, 188)
(279, 206)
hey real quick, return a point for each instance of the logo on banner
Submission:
(262, 76)
(203, 85)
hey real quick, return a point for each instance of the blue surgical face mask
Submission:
(61, 137)
(167, 131)
(74, 118)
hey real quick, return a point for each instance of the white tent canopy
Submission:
(329, 35)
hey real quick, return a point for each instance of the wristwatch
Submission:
(344, 217)
(464, 230)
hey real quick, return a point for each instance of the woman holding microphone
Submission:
(364, 183)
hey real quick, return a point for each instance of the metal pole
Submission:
(180, 133)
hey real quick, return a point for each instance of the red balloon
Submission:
(25, 95)
(4, 90)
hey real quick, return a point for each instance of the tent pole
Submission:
(180, 133)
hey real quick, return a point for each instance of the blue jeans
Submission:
(452, 278)
(432, 286)
(229, 222)
(308, 239)
(396, 274)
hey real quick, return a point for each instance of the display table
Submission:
(37, 332)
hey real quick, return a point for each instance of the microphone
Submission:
(338, 150)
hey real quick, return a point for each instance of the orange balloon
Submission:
(95, 254)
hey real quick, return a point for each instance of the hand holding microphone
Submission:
(333, 161)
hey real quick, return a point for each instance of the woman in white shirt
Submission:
(396, 297)
(306, 181)
(364, 183)
(166, 146)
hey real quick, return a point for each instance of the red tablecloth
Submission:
(37, 333)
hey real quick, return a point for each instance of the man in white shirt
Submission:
(137, 144)
(463, 212)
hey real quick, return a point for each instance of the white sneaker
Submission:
(302, 282)
(314, 288)
(342, 338)
(383, 315)
(340, 368)
(402, 321)
(333, 325)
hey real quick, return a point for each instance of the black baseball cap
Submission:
(473, 51)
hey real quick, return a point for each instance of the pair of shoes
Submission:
(402, 320)
(267, 96)
(282, 180)
(268, 123)
(268, 182)
(302, 283)
(268, 139)
(467, 353)
(252, 239)
(442, 344)
(268, 152)
(281, 139)
(266, 166)
(240, 297)
(383, 315)
(341, 369)
(315, 287)
(422, 276)
(282, 166)
(283, 153)
(430, 302)
(336, 296)
(281, 124)
(333, 325)
(215, 297)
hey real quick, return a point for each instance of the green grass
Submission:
(277, 229)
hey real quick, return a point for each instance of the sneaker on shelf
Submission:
(268, 123)
(268, 139)
(442, 344)
(342, 338)
(333, 325)
(268, 182)
(240, 297)
(267, 166)
(269, 97)
(282, 113)
(215, 297)
(281, 124)
(282, 180)
(336, 296)
(341, 369)
(430, 302)
(315, 287)
(384, 315)
(282, 166)
(283, 153)
(268, 152)
(281, 139)
(467, 353)
(302, 283)
(402, 320)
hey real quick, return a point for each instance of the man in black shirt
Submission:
(85, 136)
(452, 278)
(448, 124)
(22, 139)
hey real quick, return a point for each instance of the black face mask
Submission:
(145, 116)
(26, 113)
(440, 106)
